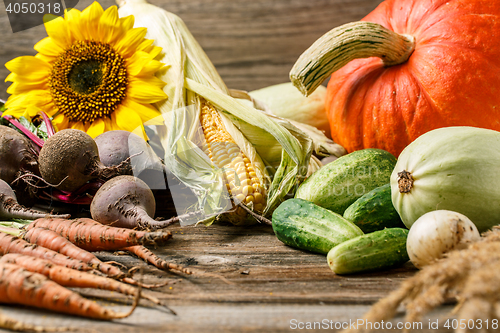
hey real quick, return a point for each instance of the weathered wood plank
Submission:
(258, 318)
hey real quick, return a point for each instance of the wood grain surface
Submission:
(271, 288)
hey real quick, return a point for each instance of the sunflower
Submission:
(94, 72)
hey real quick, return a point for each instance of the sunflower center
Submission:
(86, 76)
(88, 81)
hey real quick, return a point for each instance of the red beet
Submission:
(123, 147)
(70, 158)
(10, 208)
(17, 158)
(126, 202)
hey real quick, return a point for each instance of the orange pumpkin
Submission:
(449, 74)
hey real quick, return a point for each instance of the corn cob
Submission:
(240, 176)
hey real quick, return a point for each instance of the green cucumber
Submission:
(374, 211)
(338, 184)
(374, 251)
(306, 226)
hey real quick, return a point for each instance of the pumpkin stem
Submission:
(340, 45)
(405, 181)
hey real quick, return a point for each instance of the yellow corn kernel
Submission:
(242, 181)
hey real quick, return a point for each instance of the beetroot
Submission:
(10, 208)
(126, 202)
(70, 158)
(17, 158)
(17, 154)
(117, 147)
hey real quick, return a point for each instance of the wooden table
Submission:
(273, 288)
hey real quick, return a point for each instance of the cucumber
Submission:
(306, 226)
(374, 251)
(374, 211)
(338, 184)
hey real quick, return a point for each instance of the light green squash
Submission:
(453, 168)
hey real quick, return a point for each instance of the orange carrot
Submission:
(69, 277)
(93, 236)
(12, 244)
(148, 256)
(19, 286)
(52, 240)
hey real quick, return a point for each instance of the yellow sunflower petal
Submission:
(12, 77)
(24, 87)
(108, 124)
(150, 69)
(90, 17)
(60, 122)
(125, 118)
(155, 51)
(97, 127)
(142, 64)
(148, 46)
(72, 17)
(109, 28)
(145, 45)
(130, 41)
(40, 97)
(58, 31)
(48, 48)
(136, 62)
(72, 14)
(146, 112)
(153, 81)
(28, 66)
(45, 58)
(78, 125)
(127, 22)
(144, 92)
(14, 112)
(31, 111)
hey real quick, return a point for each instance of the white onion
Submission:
(438, 232)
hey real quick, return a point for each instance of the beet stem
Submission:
(39, 142)
(48, 124)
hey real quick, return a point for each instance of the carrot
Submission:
(12, 244)
(18, 326)
(53, 241)
(19, 286)
(68, 277)
(148, 256)
(93, 236)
